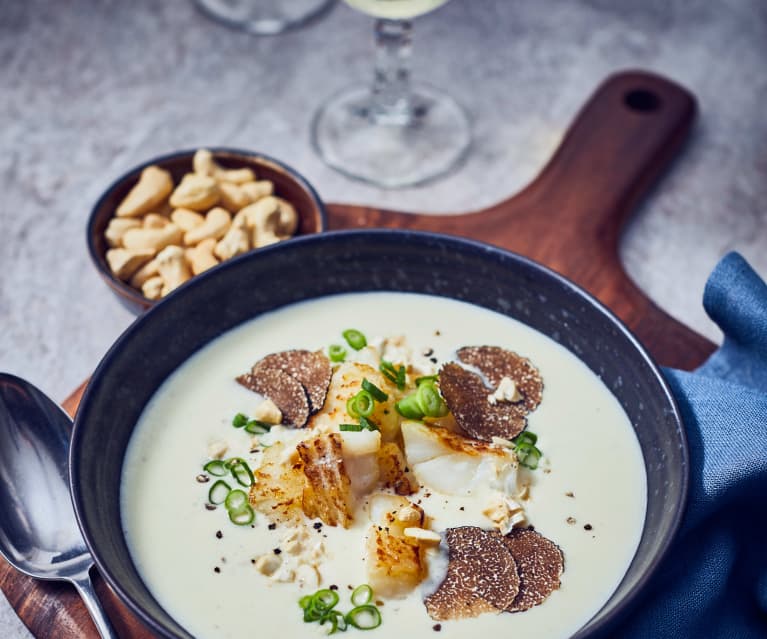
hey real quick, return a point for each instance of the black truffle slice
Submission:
(540, 564)
(284, 390)
(312, 370)
(497, 363)
(466, 396)
(481, 576)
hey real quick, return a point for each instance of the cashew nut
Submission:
(201, 257)
(152, 188)
(233, 197)
(152, 238)
(147, 271)
(235, 242)
(124, 262)
(196, 192)
(155, 221)
(186, 219)
(288, 222)
(263, 217)
(257, 190)
(267, 411)
(173, 268)
(216, 224)
(203, 162)
(117, 227)
(152, 288)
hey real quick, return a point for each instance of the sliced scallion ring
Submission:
(239, 420)
(219, 492)
(426, 378)
(362, 404)
(216, 467)
(256, 427)
(241, 472)
(364, 617)
(355, 339)
(236, 500)
(242, 516)
(367, 424)
(409, 407)
(337, 620)
(376, 392)
(350, 428)
(362, 595)
(429, 400)
(336, 353)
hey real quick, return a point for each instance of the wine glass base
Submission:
(264, 17)
(395, 149)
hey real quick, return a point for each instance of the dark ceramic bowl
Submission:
(361, 261)
(288, 184)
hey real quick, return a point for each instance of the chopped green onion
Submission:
(304, 601)
(527, 452)
(242, 516)
(336, 353)
(236, 500)
(367, 424)
(526, 437)
(364, 617)
(255, 427)
(241, 472)
(355, 428)
(219, 492)
(376, 392)
(396, 375)
(216, 467)
(409, 407)
(355, 339)
(337, 620)
(239, 420)
(362, 595)
(426, 378)
(363, 404)
(429, 400)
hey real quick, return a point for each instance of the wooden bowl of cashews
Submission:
(176, 216)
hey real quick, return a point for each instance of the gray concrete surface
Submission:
(88, 89)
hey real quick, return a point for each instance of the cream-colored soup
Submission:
(590, 503)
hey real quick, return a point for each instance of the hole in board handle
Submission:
(642, 100)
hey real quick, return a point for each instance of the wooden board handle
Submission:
(570, 217)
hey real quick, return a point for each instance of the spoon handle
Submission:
(85, 587)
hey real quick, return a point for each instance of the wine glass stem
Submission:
(392, 100)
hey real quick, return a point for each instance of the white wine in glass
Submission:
(392, 134)
(264, 17)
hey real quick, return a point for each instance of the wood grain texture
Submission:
(569, 218)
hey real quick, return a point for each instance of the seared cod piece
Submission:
(394, 471)
(279, 485)
(453, 464)
(345, 384)
(328, 493)
(395, 562)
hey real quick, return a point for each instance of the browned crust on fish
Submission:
(284, 390)
(279, 486)
(393, 470)
(328, 494)
(466, 396)
(540, 564)
(497, 363)
(311, 369)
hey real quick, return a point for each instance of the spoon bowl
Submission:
(39, 534)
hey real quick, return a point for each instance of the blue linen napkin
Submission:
(714, 581)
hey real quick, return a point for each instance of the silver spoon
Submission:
(38, 532)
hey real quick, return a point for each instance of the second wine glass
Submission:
(392, 134)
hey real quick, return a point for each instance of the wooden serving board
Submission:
(569, 218)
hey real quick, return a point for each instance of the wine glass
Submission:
(392, 134)
(264, 17)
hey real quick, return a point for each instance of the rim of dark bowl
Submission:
(631, 597)
(131, 293)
